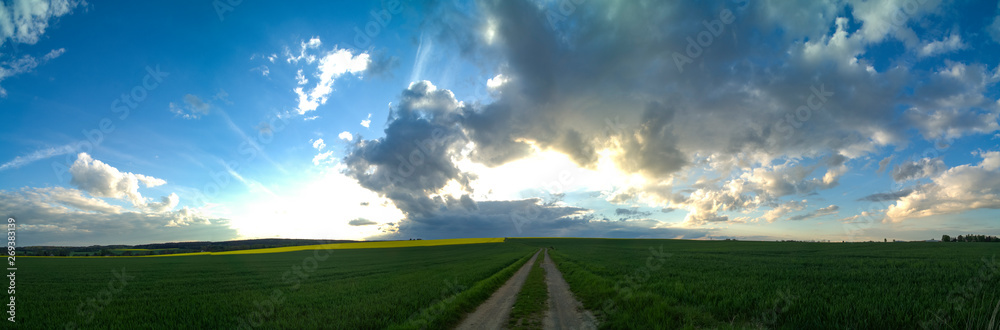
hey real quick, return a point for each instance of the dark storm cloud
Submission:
(530, 218)
(775, 81)
(414, 159)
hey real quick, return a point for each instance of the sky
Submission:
(154, 121)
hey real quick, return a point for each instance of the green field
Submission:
(345, 289)
(529, 308)
(644, 284)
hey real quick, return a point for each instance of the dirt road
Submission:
(565, 312)
(493, 313)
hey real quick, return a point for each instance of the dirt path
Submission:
(565, 312)
(493, 313)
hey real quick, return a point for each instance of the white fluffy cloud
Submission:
(346, 136)
(367, 122)
(783, 209)
(318, 144)
(331, 65)
(496, 82)
(25, 21)
(69, 199)
(946, 45)
(960, 188)
(102, 180)
(66, 216)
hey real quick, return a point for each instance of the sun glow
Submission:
(319, 209)
(549, 172)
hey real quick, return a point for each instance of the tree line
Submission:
(969, 238)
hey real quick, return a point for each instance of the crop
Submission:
(674, 283)
(532, 301)
(340, 289)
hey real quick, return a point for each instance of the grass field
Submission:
(346, 288)
(644, 284)
(626, 283)
(531, 304)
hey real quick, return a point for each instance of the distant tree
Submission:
(885, 240)
(945, 238)
(959, 239)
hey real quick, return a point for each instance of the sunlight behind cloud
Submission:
(322, 208)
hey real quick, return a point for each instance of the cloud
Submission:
(864, 218)
(884, 164)
(65, 216)
(783, 209)
(323, 158)
(367, 121)
(331, 66)
(889, 196)
(24, 64)
(264, 70)
(102, 180)
(631, 213)
(25, 21)
(318, 144)
(496, 82)
(604, 89)
(957, 189)
(193, 107)
(37, 155)
(913, 170)
(381, 65)
(346, 136)
(166, 203)
(832, 209)
(529, 218)
(414, 159)
(361, 222)
(313, 43)
(946, 45)
(72, 199)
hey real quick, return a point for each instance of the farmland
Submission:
(350, 288)
(625, 283)
(673, 283)
(530, 306)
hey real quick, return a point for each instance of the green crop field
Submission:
(529, 308)
(344, 289)
(628, 284)
(644, 284)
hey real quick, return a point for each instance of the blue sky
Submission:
(144, 122)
